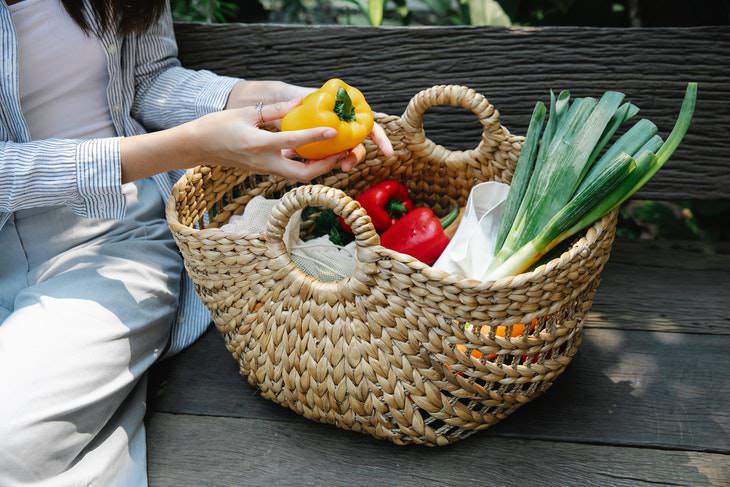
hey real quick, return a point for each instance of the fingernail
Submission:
(329, 133)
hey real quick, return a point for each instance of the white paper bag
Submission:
(318, 257)
(471, 250)
(255, 219)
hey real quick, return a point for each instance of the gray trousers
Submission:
(85, 309)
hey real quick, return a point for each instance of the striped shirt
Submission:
(148, 90)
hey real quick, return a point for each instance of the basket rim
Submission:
(588, 238)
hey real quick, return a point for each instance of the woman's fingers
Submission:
(359, 153)
(381, 140)
(275, 111)
(352, 158)
(304, 171)
(346, 160)
(292, 154)
(297, 138)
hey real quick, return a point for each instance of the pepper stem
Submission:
(396, 208)
(450, 218)
(343, 106)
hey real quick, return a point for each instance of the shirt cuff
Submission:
(99, 178)
(214, 96)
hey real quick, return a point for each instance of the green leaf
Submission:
(375, 10)
(439, 7)
(324, 219)
(339, 237)
(360, 6)
(488, 12)
(664, 220)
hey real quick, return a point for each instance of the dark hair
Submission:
(124, 16)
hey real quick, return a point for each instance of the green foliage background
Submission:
(685, 220)
(450, 12)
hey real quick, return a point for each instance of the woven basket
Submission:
(388, 350)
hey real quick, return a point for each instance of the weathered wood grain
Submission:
(652, 389)
(195, 450)
(665, 286)
(636, 388)
(684, 255)
(513, 68)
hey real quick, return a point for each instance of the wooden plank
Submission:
(637, 388)
(673, 254)
(512, 67)
(195, 450)
(665, 286)
(651, 389)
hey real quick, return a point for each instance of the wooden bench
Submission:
(647, 398)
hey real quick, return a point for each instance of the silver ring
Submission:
(260, 111)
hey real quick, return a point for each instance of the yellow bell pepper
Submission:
(335, 105)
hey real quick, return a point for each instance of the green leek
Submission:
(602, 186)
(556, 180)
(629, 143)
(624, 112)
(567, 191)
(523, 172)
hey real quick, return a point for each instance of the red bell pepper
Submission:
(385, 202)
(419, 234)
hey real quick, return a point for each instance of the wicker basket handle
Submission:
(453, 95)
(350, 210)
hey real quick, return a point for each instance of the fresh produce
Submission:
(419, 234)
(501, 332)
(335, 105)
(450, 231)
(565, 185)
(385, 202)
(326, 222)
(415, 232)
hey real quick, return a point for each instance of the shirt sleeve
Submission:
(85, 175)
(166, 94)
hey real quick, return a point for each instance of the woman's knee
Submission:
(64, 371)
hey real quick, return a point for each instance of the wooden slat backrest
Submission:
(513, 68)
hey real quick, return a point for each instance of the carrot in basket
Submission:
(501, 330)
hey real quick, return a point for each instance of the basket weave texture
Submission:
(398, 350)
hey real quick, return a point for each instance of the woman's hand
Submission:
(230, 138)
(248, 93)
